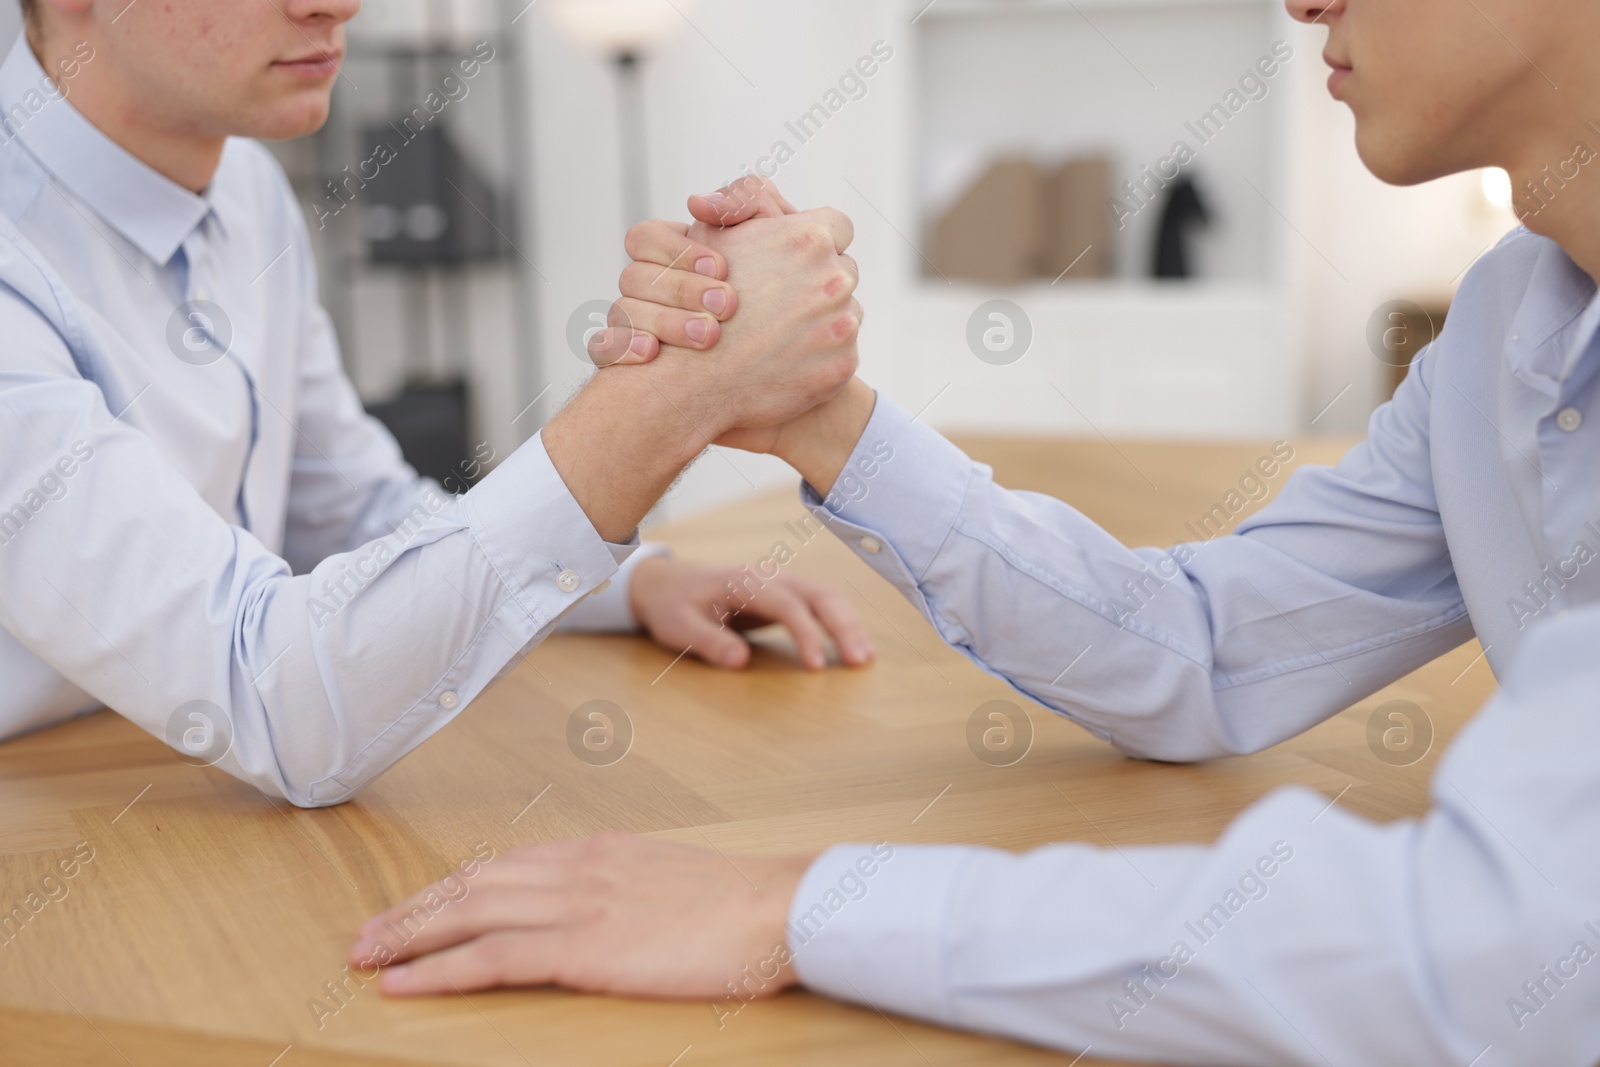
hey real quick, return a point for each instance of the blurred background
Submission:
(1039, 254)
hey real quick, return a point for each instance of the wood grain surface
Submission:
(211, 922)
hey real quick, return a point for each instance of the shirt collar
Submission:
(1558, 293)
(1583, 334)
(153, 212)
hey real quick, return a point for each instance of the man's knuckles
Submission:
(841, 284)
(811, 240)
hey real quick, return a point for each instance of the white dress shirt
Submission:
(1305, 935)
(193, 505)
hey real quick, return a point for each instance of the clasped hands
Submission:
(769, 292)
(749, 320)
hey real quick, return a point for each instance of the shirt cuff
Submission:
(609, 609)
(897, 498)
(537, 538)
(866, 925)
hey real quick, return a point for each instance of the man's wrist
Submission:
(641, 586)
(819, 443)
(621, 442)
(779, 878)
(687, 384)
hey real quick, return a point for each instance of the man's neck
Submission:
(1555, 179)
(1568, 213)
(187, 158)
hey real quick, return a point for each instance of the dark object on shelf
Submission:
(427, 204)
(430, 422)
(1184, 210)
(1077, 227)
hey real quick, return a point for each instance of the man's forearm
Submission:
(619, 444)
(819, 443)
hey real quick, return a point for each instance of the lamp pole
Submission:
(631, 126)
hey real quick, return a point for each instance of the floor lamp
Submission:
(625, 32)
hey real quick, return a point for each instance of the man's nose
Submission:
(1313, 10)
(338, 11)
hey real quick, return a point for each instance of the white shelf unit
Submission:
(1216, 356)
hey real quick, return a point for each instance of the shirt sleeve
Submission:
(127, 584)
(348, 483)
(1304, 937)
(1223, 646)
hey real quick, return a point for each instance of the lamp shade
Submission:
(619, 26)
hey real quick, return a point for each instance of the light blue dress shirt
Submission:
(1306, 935)
(193, 505)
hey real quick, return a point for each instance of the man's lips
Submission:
(1341, 71)
(314, 65)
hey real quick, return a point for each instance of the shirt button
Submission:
(601, 588)
(871, 545)
(1569, 419)
(567, 581)
(449, 699)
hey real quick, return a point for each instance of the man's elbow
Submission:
(319, 790)
(323, 798)
(1177, 747)
(1177, 731)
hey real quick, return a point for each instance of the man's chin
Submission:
(293, 118)
(1396, 158)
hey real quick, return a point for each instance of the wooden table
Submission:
(210, 918)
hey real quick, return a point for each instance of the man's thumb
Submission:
(745, 199)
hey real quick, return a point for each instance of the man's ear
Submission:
(40, 15)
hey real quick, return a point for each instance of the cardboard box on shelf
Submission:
(1077, 226)
(992, 233)
(1022, 220)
